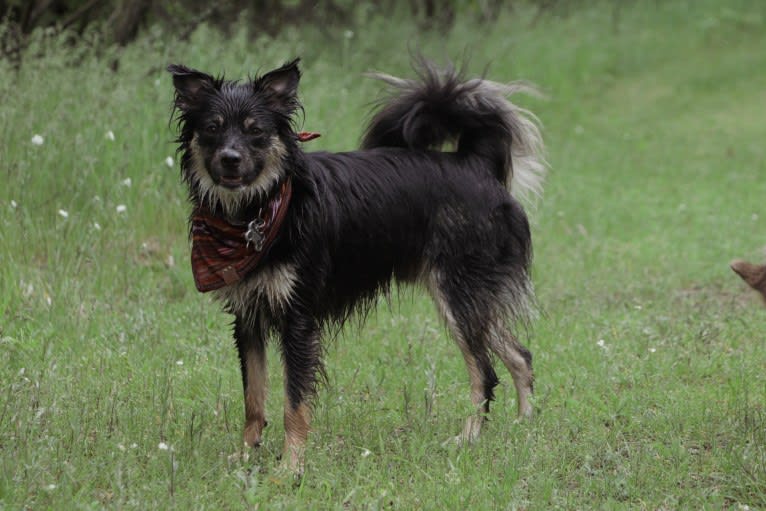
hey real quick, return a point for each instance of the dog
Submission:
(293, 243)
(754, 275)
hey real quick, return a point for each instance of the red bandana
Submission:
(224, 253)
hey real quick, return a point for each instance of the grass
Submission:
(649, 352)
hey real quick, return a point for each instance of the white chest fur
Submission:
(271, 286)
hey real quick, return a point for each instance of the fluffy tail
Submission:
(440, 106)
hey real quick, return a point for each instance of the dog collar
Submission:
(305, 136)
(223, 253)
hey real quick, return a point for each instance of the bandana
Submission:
(223, 253)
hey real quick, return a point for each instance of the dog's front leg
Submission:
(302, 359)
(251, 344)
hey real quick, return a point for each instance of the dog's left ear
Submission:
(281, 85)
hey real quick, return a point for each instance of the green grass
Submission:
(655, 132)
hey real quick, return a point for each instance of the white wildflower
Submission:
(121, 447)
(14, 205)
(348, 34)
(169, 161)
(134, 445)
(96, 226)
(121, 208)
(601, 344)
(365, 453)
(127, 182)
(110, 135)
(652, 350)
(63, 213)
(38, 140)
(51, 487)
(179, 362)
(163, 446)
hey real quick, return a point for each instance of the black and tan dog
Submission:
(294, 242)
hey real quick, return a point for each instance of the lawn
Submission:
(121, 385)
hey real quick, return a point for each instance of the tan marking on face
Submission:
(272, 169)
(255, 396)
(231, 200)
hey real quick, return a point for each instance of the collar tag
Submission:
(255, 233)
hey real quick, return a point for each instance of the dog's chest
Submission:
(270, 286)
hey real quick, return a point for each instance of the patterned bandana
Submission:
(224, 253)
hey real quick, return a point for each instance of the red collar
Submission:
(305, 136)
(224, 253)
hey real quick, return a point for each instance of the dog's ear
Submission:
(281, 85)
(190, 85)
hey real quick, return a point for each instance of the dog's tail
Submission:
(441, 106)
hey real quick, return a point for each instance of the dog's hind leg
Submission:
(483, 380)
(518, 360)
(251, 345)
(472, 341)
(302, 360)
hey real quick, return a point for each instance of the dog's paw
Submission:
(470, 433)
(526, 413)
(291, 468)
(253, 433)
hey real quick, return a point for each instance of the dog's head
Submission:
(234, 135)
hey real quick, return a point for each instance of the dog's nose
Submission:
(230, 158)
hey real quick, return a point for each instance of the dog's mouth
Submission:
(232, 181)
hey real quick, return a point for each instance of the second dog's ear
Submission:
(190, 85)
(282, 83)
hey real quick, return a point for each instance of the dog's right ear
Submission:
(190, 85)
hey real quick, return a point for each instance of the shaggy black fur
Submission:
(397, 209)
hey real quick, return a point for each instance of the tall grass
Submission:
(120, 382)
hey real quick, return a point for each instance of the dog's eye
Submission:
(212, 127)
(255, 130)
